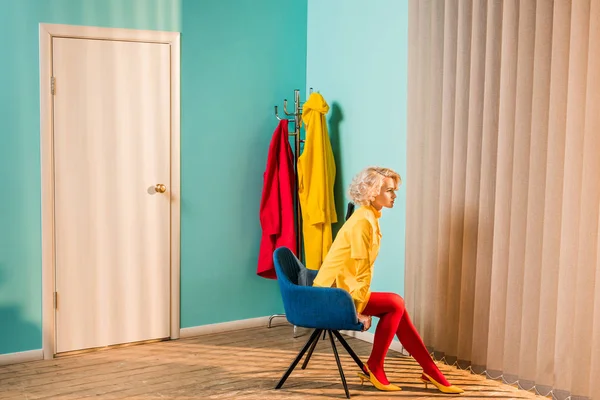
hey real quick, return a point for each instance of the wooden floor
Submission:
(244, 364)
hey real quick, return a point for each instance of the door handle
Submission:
(160, 188)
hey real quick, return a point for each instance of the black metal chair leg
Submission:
(312, 348)
(314, 336)
(339, 364)
(357, 360)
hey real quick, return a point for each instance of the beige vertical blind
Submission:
(503, 186)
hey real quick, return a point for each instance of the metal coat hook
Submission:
(285, 108)
(281, 119)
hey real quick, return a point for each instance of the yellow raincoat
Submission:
(316, 176)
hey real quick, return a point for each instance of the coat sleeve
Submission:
(287, 186)
(270, 218)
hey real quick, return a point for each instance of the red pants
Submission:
(393, 319)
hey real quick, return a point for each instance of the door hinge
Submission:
(53, 85)
(55, 300)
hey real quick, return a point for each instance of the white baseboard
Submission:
(224, 327)
(368, 337)
(21, 357)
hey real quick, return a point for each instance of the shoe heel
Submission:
(444, 389)
(363, 378)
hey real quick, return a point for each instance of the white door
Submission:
(111, 149)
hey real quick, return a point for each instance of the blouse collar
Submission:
(374, 210)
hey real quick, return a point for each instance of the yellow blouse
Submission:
(349, 263)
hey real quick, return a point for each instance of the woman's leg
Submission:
(412, 342)
(393, 319)
(389, 308)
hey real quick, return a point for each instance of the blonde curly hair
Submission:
(366, 185)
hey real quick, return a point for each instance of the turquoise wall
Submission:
(357, 59)
(239, 58)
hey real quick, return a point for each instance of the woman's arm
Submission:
(360, 251)
(361, 292)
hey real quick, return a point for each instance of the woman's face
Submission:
(386, 195)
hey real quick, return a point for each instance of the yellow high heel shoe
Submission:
(380, 386)
(426, 379)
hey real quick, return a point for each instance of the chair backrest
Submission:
(293, 268)
(349, 210)
(289, 263)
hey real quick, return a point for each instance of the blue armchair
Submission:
(327, 310)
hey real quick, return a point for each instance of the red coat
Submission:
(277, 203)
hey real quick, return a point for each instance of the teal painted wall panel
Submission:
(239, 58)
(357, 59)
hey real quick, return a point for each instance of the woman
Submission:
(349, 265)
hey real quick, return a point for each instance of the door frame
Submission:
(46, 33)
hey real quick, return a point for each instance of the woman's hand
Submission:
(365, 320)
